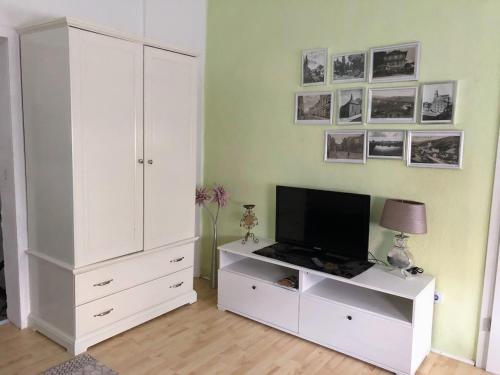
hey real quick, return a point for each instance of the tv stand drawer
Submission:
(355, 332)
(260, 300)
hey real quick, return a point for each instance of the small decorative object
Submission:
(396, 105)
(249, 221)
(350, 106)
(435, 149)
(349, 67)
(314, 62)
(290, 282)
(395, 63)
(386, 144)
(438, 102)
(345, 146)
(220, 197)
(405, 217)
(313, 108)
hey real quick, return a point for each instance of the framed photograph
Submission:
(345, 146)
(349, 67)
(314, 63)
(396, 105)
(313, 108)
(438, 102)
(395, 63)
(350, 106)
(386, 144)
(435, 149)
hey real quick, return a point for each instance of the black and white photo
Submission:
(438, 102)
(349, 67)
(345, 146)
(313, 108)
(395, 63)
(395, 105)
(350, 106)
(386, 144)
(435, 149)
(314, 63)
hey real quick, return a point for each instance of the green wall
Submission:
(252, 144)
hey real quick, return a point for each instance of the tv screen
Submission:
(331, 222)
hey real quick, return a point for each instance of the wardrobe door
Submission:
(107, 125)
(169, 125)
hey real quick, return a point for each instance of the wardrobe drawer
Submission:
(102, 312)
(260, 300)
(128, 273)
(355, 332)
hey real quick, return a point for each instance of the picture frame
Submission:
(386, 144)
(345, 146)
(314, 108)
(398, 62)
(349, 67)
(314, 66)
(392, 105)
(350, 109)
(438, 102)
(435, 149)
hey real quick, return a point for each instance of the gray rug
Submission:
(82, 364)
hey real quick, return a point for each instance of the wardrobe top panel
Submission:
(72, 22)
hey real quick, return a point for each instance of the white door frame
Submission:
(490, 272)
(13, 186)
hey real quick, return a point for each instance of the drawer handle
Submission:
(103, 313)
(349, 317)
(104, 282)
(177, 285)
(176, 260)
(254, 287)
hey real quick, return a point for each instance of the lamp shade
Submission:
(404, 216)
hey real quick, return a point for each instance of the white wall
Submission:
(182, 23)
(12, 180)
(179, 23)
(2, 273)
(122, 15)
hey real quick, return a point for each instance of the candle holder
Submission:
(249, 221)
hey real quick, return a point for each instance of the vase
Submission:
(214, 264)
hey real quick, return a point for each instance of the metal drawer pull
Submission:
(104, 282)
(176, 260)
(150, 161)
(140, 161)
(177, 285)
(103, 313)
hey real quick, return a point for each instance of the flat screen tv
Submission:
(332, 222)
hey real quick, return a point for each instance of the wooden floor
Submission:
(199, 339)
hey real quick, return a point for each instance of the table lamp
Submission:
(404, 217)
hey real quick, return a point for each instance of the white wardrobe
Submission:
(110, 160)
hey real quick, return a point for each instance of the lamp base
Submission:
(400, 255)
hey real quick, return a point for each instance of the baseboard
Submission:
(455, 357)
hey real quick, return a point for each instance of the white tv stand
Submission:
(375, 316)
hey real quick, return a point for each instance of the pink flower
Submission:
(221, 196)
(202, 195)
